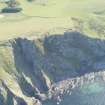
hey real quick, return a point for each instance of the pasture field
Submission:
(42, 16)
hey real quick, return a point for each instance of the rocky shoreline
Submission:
(66, 87)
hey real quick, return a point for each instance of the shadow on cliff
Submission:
(11, 96)
(65, 56)
(26, 59)
(2, 100)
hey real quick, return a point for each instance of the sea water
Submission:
(88, 94)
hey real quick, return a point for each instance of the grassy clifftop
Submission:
(54, 16)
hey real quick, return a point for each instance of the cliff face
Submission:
(32, 69)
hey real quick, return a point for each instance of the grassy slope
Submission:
(7, 70)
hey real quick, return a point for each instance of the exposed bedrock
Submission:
(53, 59)
(59, 56)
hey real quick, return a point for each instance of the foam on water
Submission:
(88, 94)
(92, 88)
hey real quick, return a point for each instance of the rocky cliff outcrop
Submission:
(39, 69)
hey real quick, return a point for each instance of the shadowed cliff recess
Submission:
(37, 67)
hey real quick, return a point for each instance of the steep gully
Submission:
(57, 64)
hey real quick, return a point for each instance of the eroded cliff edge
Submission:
(33, 69)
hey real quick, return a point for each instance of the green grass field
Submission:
(43, 16)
